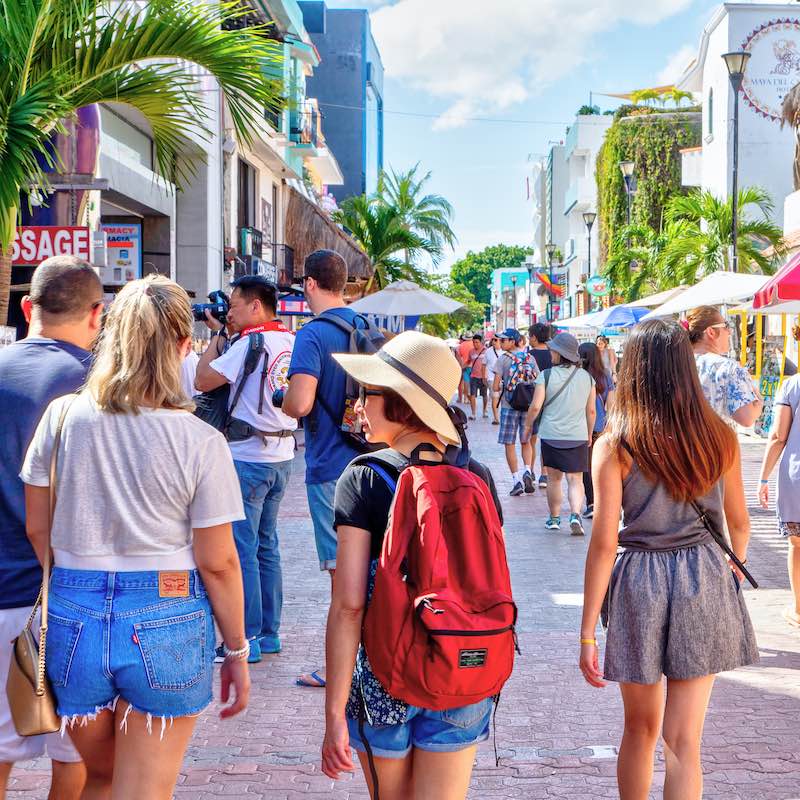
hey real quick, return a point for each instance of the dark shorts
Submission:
(570, 459)
(477, 386)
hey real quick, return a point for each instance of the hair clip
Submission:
(685, 324)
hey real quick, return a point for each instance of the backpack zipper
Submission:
(492, 632)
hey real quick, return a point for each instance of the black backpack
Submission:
(212, 407)
(364, 339)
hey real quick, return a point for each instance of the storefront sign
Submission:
(774, 66)
(33, 244)
(598, 286)
(124, 248)
(293, 305)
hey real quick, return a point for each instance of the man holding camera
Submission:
(263, 459)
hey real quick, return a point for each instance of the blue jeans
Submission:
(435, 731)
(256, 537)
(116, 634)
(320, 504)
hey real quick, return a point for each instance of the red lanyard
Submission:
(275, 325)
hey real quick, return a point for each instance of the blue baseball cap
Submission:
(510, 333)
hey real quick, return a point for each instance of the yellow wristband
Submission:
(589, 641)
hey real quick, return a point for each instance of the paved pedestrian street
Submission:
(556, 736)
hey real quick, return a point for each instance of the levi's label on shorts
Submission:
(173, 584)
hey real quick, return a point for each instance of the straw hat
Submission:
(420, 368)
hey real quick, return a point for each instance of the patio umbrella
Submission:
(617, 316)
(717, 289)
(783, 285)
(405, 299)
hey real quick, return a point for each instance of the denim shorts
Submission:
(320, 504)
(112, 635)
(434, 731)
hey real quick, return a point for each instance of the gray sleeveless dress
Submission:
(675, 607)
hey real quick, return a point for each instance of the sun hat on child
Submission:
(421, 369)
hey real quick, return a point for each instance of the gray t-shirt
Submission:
(564, 420)
(787, 498)
(132, 485)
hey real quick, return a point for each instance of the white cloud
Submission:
(676, 64)
(483, 58)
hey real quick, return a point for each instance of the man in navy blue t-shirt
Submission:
(63, 310)
(317, 389)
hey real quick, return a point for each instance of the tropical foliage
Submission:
(383, 234)
(694, 241)
(653, 141)
(57, 56)
(468, 318)
(474, 271)
(427, 215)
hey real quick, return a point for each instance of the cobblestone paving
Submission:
(556, 736)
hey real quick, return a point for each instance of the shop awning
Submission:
(717, 289)
(783, 285)
(658, 299)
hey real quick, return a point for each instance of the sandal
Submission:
(312, 679)
(792, 617)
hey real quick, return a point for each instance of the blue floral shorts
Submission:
(787, 529)
(115, 634)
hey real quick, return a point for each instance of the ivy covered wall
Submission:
(652, 140)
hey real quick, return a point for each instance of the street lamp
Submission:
(550, 249)
(530, 286)
(588, 219)
(627, 168)
(736, 64)
(514, 298)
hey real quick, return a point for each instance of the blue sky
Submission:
(512, 60)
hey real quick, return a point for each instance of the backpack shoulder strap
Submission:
(256, 348)
(384, 463)
(334, 320)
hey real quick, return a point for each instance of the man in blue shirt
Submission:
(63, 312)
(317, 390)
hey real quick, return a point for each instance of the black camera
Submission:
(219, 305)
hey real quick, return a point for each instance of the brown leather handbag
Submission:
(30, 696)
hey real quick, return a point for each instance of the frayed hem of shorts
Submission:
(82, 720)
(327, 566)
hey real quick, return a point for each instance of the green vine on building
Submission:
(652, 140)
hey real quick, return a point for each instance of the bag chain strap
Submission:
(41, 600)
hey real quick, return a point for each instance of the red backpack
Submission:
(439, 629)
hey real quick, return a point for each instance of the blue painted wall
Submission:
(350, 68)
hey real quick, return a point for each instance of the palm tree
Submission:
(427, 215)
(634, 266)
(382, 233)
(57, 56)
(678, 96)
(700, 243)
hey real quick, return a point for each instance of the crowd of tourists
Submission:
(152, 482)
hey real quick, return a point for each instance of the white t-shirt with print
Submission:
(279, 345)
(130, 487)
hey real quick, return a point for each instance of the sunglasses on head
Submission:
(726, 325)
(364, 393)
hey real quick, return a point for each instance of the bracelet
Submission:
(589, 641)
(236, 655)
(763, 481)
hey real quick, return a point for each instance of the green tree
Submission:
(57, 56)
(470, 317)
(429, 216)
(383, 235)
(474, 271)
(703, 235)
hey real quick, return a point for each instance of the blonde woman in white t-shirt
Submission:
(143, 552)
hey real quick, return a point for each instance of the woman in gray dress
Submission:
(675, 606)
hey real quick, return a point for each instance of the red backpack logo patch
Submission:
(439, 629)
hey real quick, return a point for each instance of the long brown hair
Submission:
(592, 362)
(662, 415)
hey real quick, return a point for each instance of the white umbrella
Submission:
(654, 300)
(716, 289)
(405, 299)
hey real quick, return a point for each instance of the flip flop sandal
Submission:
(791, 617)
(320, 682)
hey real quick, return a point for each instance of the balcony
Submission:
(580, 195)
(304, 127)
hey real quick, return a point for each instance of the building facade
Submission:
(771, 34)
(348, 85)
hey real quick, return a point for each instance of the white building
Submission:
(584, 140)
(771, 34)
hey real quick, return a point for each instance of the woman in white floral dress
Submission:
(726, 384)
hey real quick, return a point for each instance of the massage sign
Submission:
(33, 244)
(774, 66)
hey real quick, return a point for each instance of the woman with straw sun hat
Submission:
(405, 391)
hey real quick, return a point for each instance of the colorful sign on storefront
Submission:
(34, 243)
(124, 250)
(598, 286)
